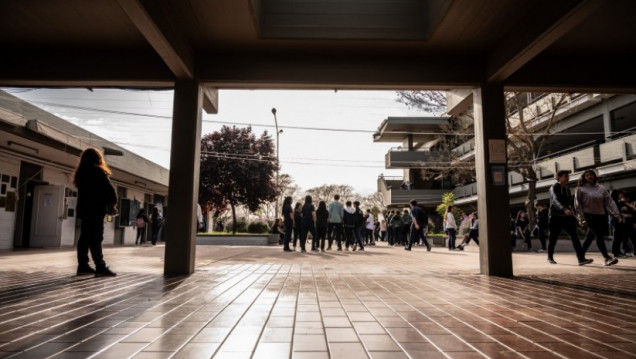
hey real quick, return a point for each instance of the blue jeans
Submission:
(452, 235)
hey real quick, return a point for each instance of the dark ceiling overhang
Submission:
(586, 45)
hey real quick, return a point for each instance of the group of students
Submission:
(345, 224)
(588, 208)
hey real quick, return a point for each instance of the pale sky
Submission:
(316, 146)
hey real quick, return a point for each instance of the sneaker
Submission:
(620, 256)
(610, 261)
(629, 254)
(85, 270)
(287, 250)
(428, 248)
(104, 272)
(361, 249)
(339, 249)
(552, 261)
(407, 248)
(314, 249)
(303, 251)
(585, 261)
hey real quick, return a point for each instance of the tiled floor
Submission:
(259, 302)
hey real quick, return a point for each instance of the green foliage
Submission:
(237, 168)
(257, 227)
(448, 199)
(241, 226)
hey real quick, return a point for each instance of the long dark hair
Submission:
(582, 180)
(89, 159)
(287, 200)
(322, 206)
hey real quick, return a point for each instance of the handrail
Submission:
(568, 150)
(623, 133)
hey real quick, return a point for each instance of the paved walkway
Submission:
(259, 302)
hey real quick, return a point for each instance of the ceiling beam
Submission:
(339, 72)
(210, 100)
(522, 44)
(176, 54)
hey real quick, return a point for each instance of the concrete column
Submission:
(490, 163)
(607, 121)
(183, 191)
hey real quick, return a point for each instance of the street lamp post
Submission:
(277, 160)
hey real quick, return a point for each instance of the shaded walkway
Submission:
(260, 302)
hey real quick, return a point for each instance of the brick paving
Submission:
(258, 302)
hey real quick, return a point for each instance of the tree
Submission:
(525, 117)
(428, 101)
(326, 192)
(237, 169)
(287, 188)
(527, 114)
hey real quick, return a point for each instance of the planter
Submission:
(237, 240)
(437, 240)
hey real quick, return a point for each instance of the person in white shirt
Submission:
(451, 227)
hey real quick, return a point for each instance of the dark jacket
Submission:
(321, 218)
(96, 196)
(560, 200)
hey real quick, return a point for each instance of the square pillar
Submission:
(183, 190)
(492, 188)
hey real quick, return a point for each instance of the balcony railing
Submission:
(395, 195)
(576, 159)
(413, 159)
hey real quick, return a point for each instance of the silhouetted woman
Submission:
(96, 197)
(322, 215)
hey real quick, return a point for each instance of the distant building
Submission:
(593, 131)
(38, 153)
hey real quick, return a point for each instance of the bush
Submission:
(241, 225)
(257, 227)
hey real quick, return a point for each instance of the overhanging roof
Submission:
(583, 45)
(396, 129)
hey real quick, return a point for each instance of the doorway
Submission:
(30, 176)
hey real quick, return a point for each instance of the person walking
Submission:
(370, 228)
(156, 221)
(561, 217)
(472, 234)
(96, 197)
(140, 221)
(406, 226)
(298, 223)
(542, 225)
(591, 200)
(523, 229)
(419, 226)
(389, 233)
(383, 230)
(288, 222)
(322, 218)
(396, 227)
(450, 226)
(359, 226)
(335, 222)
(309, 225)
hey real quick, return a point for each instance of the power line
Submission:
(307, 128)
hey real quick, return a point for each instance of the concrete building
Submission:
(38, 153)
(591, 131)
